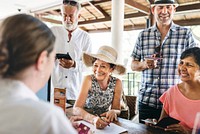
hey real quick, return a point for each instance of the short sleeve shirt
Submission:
(156, 81)
(180, 107)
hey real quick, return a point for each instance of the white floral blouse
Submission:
(99, 101)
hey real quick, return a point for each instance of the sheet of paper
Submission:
(112, 129)
(68, 105)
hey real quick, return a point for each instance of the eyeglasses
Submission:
(157, 52)
(68, 2)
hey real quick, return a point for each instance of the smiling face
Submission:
(163, 14)
(188, 69)
(102, 70)
(70, 17)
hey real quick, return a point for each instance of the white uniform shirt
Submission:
(22, 112)
(70, 78)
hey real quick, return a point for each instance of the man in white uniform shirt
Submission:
(70, 39)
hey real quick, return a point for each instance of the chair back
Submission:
(131, 102)
(129, 107)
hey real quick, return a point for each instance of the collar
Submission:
(172, 27)
(16, 89)
(72, 31)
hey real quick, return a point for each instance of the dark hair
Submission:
(192, 52)
(111, 65)
(22, 39)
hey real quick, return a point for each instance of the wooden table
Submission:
(138, 128)
(133, 128)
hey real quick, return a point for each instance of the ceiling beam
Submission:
(50, 20)
(186, 8)
(142, 26)
(134, 15)
(96, 2)
(180, 10)
(126, 28)
(133, 27)
(91, 12)
(127, 16)
(99, 9)
(102, 11)
(188, 22)
(95, 21)
(138, 6)
(101, 20)
(54, 12)
(93, 6)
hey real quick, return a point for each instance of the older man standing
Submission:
(157, 54)
(70, 39)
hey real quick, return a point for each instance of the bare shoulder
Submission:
(118, 86)
(118, 81)
(88, 78)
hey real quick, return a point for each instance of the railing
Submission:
(131, 83)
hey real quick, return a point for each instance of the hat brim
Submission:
(162, 4)
(89, 58)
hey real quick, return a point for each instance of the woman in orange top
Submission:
(182, 101)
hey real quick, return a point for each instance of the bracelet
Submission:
(93, 121)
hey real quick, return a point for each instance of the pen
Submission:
(102, 119)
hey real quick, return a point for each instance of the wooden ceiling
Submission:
(96, 14)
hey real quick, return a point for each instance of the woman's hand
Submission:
(110, 116)
(73, 120)
(100, 123)
(178, 128)
(150, 122)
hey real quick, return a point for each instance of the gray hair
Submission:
(78, 5)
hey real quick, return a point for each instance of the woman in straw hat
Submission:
(101, 92)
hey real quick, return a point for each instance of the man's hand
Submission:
(150, 63)
(67, 63)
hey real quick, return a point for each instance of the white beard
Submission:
(70, 27)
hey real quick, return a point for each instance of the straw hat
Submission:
(164, 2)
(107, 54)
